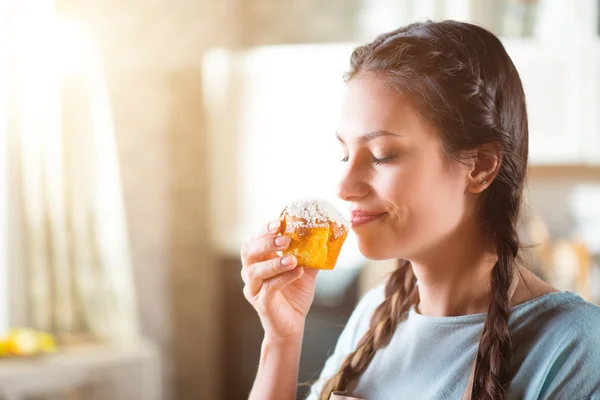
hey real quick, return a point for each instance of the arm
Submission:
(281, 293)
(277, 375)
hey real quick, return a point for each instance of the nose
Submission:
(353, 184)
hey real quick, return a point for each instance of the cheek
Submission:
(425, 200)
(406, 188)
(437, 202)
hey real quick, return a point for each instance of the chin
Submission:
(382, 243)
(376, 250)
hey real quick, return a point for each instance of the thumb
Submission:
(311, 272)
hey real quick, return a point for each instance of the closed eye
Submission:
(374, 160)
(377, 161)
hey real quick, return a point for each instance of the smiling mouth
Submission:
(359, 219)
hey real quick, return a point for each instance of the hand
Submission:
(280, 291)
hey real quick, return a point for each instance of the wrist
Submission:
(281, 351)
(295, 340)
(283, 341)
(277, 376)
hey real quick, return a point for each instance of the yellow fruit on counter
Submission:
(23, 342)
(46, 342)
(26, 342)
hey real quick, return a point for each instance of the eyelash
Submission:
(374, 161)
(377, 161)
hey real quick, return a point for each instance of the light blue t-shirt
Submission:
(556, 352)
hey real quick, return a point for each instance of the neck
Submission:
(455, 278)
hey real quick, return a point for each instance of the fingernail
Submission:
(274, 225)
(282, 241)
(287, 260)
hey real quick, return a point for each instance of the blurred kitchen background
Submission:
(142, 142)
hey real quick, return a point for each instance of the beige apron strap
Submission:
(342, 396)
(469, 389)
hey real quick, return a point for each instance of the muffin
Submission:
(317, 230)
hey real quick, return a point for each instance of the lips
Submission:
(362, 217)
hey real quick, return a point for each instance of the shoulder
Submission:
(573, 315)
(560, 317)
(579, 325)
(359, 322)
(558, 308)
(372, 299)
(360, 319)
(567, 329)
(581, 322)
(356, 327)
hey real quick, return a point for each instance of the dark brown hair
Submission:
(462, 80)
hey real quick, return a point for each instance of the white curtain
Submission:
(75, 253)
(4, 305)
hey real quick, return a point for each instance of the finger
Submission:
(248, 294)
(279, 282)
(267, 269)
(271, 228)
(256, 274)
(258, 247)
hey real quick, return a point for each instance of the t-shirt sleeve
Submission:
(357, 325)
(575, 369)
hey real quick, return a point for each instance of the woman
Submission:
(434, 133)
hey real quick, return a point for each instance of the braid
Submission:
(492, 369)
(400, 293)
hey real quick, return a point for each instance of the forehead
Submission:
(370, 104)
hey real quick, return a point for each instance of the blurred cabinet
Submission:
(591, 103)
(561, 86)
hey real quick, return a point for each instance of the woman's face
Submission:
(404, 194)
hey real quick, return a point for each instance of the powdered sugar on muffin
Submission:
(317, 212)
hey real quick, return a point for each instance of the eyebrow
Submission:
(370, 136)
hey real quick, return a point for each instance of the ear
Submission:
(484, 167)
